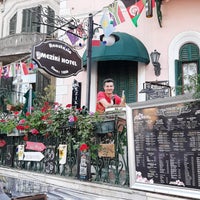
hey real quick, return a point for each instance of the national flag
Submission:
(106, 24)
(12, 71)
(6, 71)
(116, 14)
(134, 10)
(72, 37)
(35, 66)
(24, 68)
(80, 30)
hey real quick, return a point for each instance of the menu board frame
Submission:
(147, 185)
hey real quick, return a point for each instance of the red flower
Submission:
(16, 113)
(25, 138)
(34, 131)
(75, 118)
(28, 114)
(84, 147)
(26, 127)
(22, 121)
(20, 127)
(46, 104)
(68, 105)
(45, 117)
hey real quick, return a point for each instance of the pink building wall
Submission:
(180, 24)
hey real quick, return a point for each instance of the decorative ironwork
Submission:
(112, 170)
(60, 23)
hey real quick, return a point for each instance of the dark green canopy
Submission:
(127, 48)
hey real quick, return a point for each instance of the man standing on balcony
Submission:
(107, 98)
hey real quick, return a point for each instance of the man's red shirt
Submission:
(102, 95)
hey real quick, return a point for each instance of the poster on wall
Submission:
(165, 138)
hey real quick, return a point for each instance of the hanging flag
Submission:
(35, 66)
(1, 71)
(80, 30)
(96, 42)
(5, 72)
(134, 10)
(116, 13)
(106, 24)
(72, 37)
(24, 68)
(12, 71)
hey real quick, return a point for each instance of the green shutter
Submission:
(178, 77)
(189, 52)
(124, 73)
(198, 66)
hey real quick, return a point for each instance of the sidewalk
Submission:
(70, 189)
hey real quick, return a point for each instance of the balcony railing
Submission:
(19, 43)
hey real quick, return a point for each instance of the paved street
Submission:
(16, 188)
(63, 194)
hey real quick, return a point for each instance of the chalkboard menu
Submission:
(166, 142)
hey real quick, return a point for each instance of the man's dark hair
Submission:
(108, 80)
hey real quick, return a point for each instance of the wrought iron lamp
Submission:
(155, 61)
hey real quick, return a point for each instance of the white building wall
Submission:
(12, 6)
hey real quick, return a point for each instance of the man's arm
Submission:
(105, 103)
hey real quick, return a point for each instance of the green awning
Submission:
(127, 48)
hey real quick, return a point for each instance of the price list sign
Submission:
(166, 143)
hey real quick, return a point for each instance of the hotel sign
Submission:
(57, 58)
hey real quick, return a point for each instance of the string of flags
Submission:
(18, 68)
(112, 16)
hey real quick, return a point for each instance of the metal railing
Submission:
(109, 166)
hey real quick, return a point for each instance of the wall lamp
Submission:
(155, 61)
(110, 40)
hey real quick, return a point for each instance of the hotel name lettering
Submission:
(57, 58)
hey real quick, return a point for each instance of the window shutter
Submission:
(178, 77)
(189, 52)
(13, 23)
(124, 74)
(35, 15)
(198, 66)
(51, 16)
(30, 19)
(24, 20)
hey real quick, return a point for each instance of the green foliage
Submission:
(8, 123)
(192, 87)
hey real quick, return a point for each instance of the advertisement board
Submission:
(164, 145)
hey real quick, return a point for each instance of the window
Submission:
(50, 19)
(42, 82)
(31, 18)
(13, 24)
(186, 67)
(126, 81)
